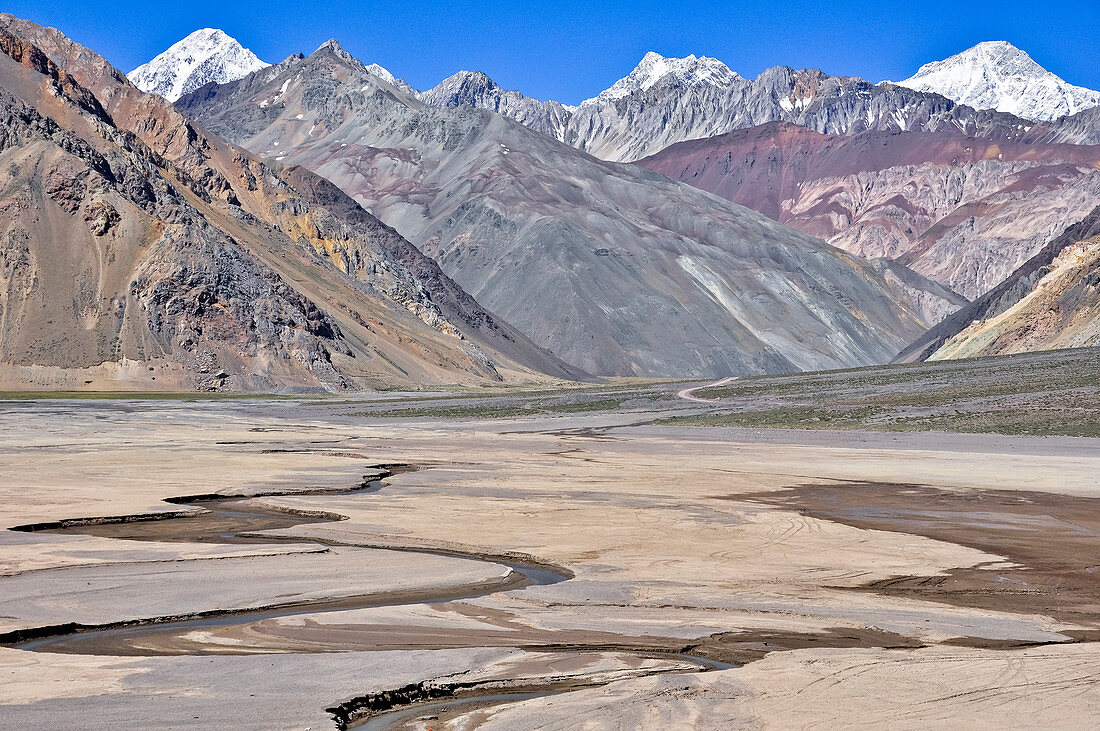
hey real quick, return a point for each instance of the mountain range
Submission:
(667, 100)
(650, 116)
(614, 269)
(1014, 210)
(319, 223)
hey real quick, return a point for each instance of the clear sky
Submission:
(572, 50)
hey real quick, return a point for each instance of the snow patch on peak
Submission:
(690, 71)
(204, 56)
(998, 75)
(381, 73)
(385, 75)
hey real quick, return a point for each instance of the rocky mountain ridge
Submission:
(672, 109)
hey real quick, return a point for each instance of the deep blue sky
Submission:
(572, 50)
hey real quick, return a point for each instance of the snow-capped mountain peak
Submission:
(691, 71)
(997, 75)
(382, 73)
(204, 56)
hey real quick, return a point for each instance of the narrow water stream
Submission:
(238, 520)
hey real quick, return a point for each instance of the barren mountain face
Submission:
(136, 248)
(1061, 311)
(613, 268)
(1051, 301)
(1082, 128)
(960, 210)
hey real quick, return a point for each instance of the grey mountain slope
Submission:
(1006, 294)
(648, 120)
(457, 306)
(932, 300)
(1082, 128)
(615, 269)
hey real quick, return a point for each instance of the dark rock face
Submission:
(615, 269)
(214, 299)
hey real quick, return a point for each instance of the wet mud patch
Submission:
(1051, 541)
(738, 648)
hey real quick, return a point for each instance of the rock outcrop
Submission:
(1052, 301)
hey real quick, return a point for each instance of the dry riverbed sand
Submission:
(683, 546)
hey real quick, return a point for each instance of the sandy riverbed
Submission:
(739, 546)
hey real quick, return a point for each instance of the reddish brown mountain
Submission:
(961, 210)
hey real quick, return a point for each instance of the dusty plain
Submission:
(602, 556)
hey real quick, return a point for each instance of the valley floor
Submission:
(558, 558)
